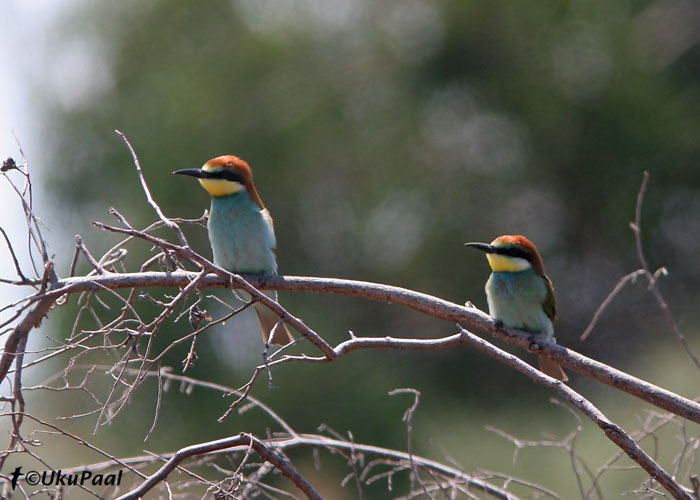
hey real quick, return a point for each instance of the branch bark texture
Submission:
(425, 304)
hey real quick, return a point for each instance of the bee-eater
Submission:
(240, 230)
(519, 293)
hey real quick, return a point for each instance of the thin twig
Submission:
(147, 191)
(14, 258)
(88, 256)
(80, 441)
(618, 287)
(408, 418)
(159, 400)
(652, 277)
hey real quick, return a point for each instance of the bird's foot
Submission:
(263, 277)
(498, 324)
(535, 339)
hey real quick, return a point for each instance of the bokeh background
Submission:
(383, 135)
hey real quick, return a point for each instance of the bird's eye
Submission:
(517, 252)
(229, 175)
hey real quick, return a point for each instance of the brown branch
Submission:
(408, 418)
(317, 441)
(30, 321)
(419, 302)
(26, 198)
(652, 277)
(638, 437)
(243, 439)
(603, 305)
(474, 318)
(14, 258)
(88, 256)
(79, 440)
(511, 479)
(165, 373)
(17, 402)
(612, 431)
(170, 224)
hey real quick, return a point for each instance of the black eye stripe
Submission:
(227, 175)
(514, 252)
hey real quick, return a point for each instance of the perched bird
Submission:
(240, 230)
(519, 293)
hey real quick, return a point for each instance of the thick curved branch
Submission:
(419, 302)
(242, 442)
(31, 320)
(612, 431)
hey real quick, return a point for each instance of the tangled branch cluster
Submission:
(127, 341)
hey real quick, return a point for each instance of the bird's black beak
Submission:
(194, 172)
(481, 246)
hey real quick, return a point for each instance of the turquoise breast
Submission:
(516, 300)
(241, 235)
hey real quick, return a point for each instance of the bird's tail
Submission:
(552, 369)
(268, 320)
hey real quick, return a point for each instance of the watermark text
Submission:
(59, 478)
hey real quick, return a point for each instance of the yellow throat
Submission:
(219, 187)
(506, 264)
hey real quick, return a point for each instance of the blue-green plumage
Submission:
(240, 231)
(519, 292)
(241, 235)
(517, 300)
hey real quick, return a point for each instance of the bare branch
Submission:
(82, 442)
(14, 258)
(637, 229)
(408, 418)
(172, 225)
(612, 431)
(30, 321)
(316, 441)
(618, 287)
(26, 197)
(419, 302)
(88, 256)
(242, 439)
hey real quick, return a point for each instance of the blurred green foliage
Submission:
(382, 136)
